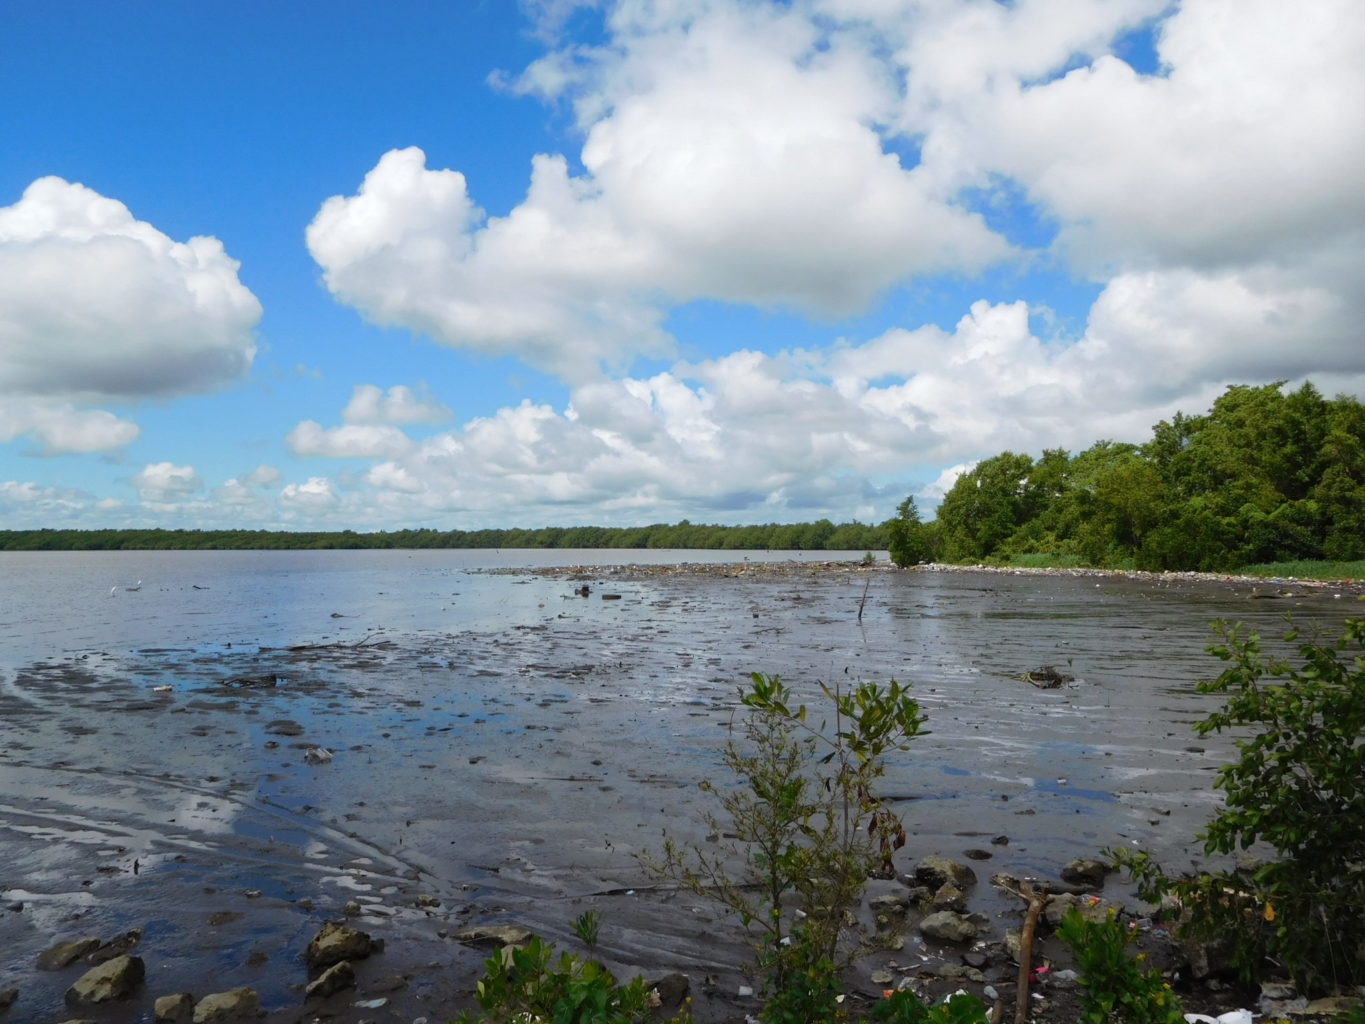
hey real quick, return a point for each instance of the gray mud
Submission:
(513, 773)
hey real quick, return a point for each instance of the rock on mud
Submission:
(1086, 872)
(494, 935)
(1056, 907)
(113, 979)
(64, 954)
(948, 926)
(335, 943)
(229, 1005)
(340, 975)
(935, 872)
(174, 1009)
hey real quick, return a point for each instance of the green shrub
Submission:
(904, 1007)
(1296, 786)
(1118, 989)
(807, 830)
(526, 985)
(586, 926)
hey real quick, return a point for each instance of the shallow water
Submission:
(507, 747)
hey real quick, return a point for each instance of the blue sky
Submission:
(484, 263)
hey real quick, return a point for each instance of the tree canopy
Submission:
(821, 535)
(1264, 476)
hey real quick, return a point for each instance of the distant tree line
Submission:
(822, 535)
(1264, 476)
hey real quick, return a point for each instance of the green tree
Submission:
(906, 537)
(985, 506)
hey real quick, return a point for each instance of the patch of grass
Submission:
(1307, 570)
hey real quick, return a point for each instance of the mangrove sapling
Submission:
(1295, 786)
(805, 832)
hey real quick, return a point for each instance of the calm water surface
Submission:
(58, 602)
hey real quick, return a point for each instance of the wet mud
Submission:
(512, 773)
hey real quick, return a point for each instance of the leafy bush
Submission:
(1296, 786)
(807, 829)
(1118, 989)
(525, 985)
(908, 540)
(586, 926)
(904, 1007)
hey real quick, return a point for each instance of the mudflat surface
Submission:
(512, 770)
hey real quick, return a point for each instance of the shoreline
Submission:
(820, 566)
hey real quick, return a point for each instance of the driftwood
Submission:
(1037, 898)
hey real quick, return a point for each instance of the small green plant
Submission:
(904, 1007)
(526, 985)
(1118, 988)
(808, 833)
(869, 558)
(585, 926)
(1296, 786)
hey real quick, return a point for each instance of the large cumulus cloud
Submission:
(730, 155)
(98, 306)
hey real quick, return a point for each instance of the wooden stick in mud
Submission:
(1035, 907)
(867, 584)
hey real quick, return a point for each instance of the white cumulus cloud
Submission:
(60, 427)
(314, 495)
(161, 482)
(94, 302)
(730, 154)
(96, 305)
(348, 441)
(399, 404)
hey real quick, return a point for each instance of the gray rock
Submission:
(1057, 905)
(335, 943)
(229, 1005)
(113, 979)
(494, 935)
(948, 926)
(426, 900)
(1085, 871)
(125, 943)
(891, 903)
(937, 871)
(174, 1009)
(7, 997)
(334, 979)
(671, 989)
(64, 954)
(1013, 941)
(284, 727)
(949, 897)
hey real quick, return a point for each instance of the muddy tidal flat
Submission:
(504, 738)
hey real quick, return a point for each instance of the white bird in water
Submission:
(113, 591)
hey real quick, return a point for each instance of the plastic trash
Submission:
(1231, 1017)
